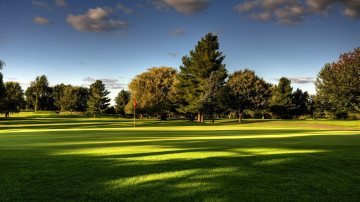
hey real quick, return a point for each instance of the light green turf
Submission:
(44, 156)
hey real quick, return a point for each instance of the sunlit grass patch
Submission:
(49, 157)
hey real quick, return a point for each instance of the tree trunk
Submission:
(202, 118)
(141, 116)
(163, 117)
(6, 114)
(212, 119)
(94, 116)
(240, 116)
(199, 117)
(262, 116)
(230, 115)
(36, 103)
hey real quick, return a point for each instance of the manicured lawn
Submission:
(44, 156)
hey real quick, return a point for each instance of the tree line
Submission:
(201, 89)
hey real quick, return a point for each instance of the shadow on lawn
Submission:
(314, 167)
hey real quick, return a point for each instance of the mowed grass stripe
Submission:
(177, 161)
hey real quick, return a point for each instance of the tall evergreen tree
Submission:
(121, 101)
(196, 70)
(282, 102)
(97, 102)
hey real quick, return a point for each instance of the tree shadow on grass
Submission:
(178, 166)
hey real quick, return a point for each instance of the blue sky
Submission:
(77, 42)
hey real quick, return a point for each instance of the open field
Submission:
(45, 156)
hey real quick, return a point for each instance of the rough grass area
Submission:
(44, 156)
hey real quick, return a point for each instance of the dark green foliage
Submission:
(121, 101)
(110, 110)
(82, 95)
(209, 100)
(14, 98)
(301, 101)
(196, 70)
(262, 97)
(282, 103)
(2, 86)
(97, 102)
(2, 93)
(338, 85)
(58, 92)
(38, 94)
(69, 99)
(2, 64)
(244, 90)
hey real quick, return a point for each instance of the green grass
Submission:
(44, 156)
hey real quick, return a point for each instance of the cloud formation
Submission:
(40, 4)
(177, 32)
(300, 80)
(109, 83)
(123, 8)
(42, 21)
(174, 54)
(61, 3)
(294, 12)
(96, 20)
(187, 7)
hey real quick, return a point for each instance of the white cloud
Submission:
(295, 12)
(42, 21)
(177, 32)
(61, 3)
(187, 7)
(109, 83)
(95, 20)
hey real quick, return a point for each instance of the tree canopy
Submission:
(153, 90)
(195, 72)
(121, 100)
(338, 84)
(14, 98)
(97, 102)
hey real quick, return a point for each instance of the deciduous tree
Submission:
(121, 101)
(243, 88)
(38, 92)
(338, 84)
(14, 98)
(152, 91)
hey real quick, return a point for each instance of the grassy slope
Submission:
(45, 157)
